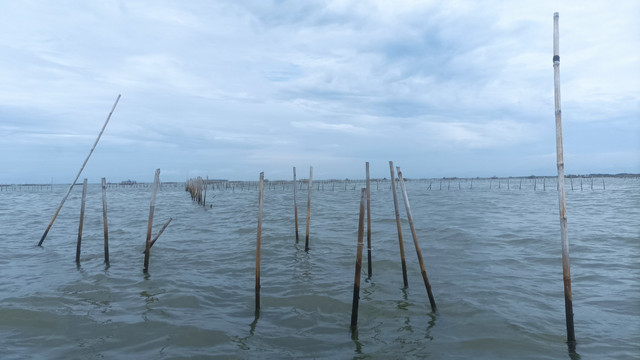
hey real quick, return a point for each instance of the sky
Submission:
(229, 88)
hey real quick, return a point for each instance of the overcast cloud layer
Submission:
(232, 88)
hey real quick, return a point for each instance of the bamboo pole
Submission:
(156, 180)
(104, 220)
(155, 238)
(415, 242)
(204, 198)
(306, 240)
(368, 223)
(258, 241)
(566, 272)
(55, 215)
(398, 224)
(84, 198)
(356, 280)
(295, 203)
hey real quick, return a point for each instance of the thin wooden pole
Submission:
(356, 280)
(84, 198)
(295, 203)
(398, 225)
(415, 242)
(104, 220)
(55, 215)
(155, 238)
(566, 272)
(156, 180)
(368, 223)
(204, 198)
(306, 240)
(258, 241)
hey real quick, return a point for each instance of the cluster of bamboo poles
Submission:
(365, 208)
(197, 187)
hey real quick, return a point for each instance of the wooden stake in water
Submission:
(398, 224)
(147, 250)
(84, 198)
(55, 215)
(306, 240)
(415, 242)
(566, 272)
(104, 220)
(356, 280)
(155, 238)
(295, 203)
(258, 241)
(368, 223)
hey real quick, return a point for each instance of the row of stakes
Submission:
(197, 188)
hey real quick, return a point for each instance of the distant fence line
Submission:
(448, 184)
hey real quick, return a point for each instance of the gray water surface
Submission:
(492, 254)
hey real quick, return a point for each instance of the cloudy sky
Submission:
(230, 88)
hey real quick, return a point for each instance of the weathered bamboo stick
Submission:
(84, 198)
(104, 220)
(156, 180)
(204, 198)
(566, 272)
(155, 238)
(295, 203)
(306, 240)
(55, 215)
(368, 224)
(415, 242)
(356, 281)
(398, 224)
(258, 241)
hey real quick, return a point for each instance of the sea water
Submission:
(491, 249)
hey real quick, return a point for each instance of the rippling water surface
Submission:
(492, 252)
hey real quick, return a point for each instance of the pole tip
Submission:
(555, 14)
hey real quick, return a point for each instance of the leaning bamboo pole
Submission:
(147, 250)
(398, 224)
(566, 271)
(55, 215)
(356, 281)
(415, 241)
(84, 198)
(259, 241)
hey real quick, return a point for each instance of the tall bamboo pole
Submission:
(259, 241)
(104, 220)
(566, 272)
(156, 180)
(415, 242)
(55, 215)
(356, 281)
(306, 240)
(398, 224)
(295, 203)
(84, 198)
(368, 224)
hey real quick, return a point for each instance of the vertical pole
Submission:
(368, 223)
(104, 220)
(566, 272)
(415, 242)
(295, 203)
(398, 224)
(55, 215)
(306, 240)
(259, 241)
(356, 280)
(156, 180)
(84, 198)
(204, 199)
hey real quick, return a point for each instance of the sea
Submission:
(491, 250)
